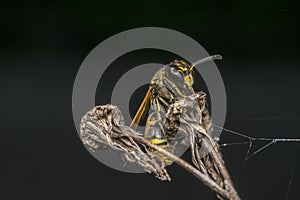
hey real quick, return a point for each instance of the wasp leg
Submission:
(142, 108)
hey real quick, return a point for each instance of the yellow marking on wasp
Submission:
(183, 62)
(183, 69)
(150, 122)
(189, 80)
(158, 141)
(192, 67)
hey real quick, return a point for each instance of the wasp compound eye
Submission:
(174, 75)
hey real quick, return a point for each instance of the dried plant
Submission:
(104, 125)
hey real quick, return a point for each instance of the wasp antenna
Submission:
(204, 60)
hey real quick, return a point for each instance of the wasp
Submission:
(177, 116)
(172, 83)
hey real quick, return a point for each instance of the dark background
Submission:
(43, 45)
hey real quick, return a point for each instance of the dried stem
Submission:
(105, 125)
(203, 178)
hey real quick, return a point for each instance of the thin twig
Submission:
(105, 125)
(204, 179)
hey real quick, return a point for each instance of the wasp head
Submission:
(185, 69)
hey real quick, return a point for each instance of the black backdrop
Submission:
(43, 45)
